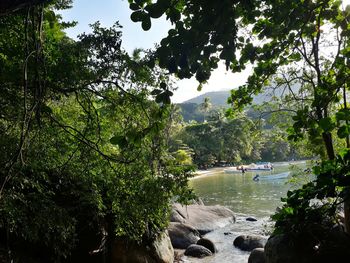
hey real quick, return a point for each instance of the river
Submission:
(245, 197)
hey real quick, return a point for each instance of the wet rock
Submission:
(249, 242)
(207, 243)
(182, 235)
(257, 256)
(251, 219)
(197, 251)
(159, 251)
(205, 218)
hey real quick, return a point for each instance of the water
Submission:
(246, 198)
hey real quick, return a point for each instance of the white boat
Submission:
(271, 176)
(260, 166)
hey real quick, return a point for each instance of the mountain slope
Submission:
(217, 98)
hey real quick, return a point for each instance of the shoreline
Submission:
(204, 173)
(212, 171)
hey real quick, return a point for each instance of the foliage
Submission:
(85, 155)
(220, 140)
(317, 201)
(296, 42)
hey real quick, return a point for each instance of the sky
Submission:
(86, 12)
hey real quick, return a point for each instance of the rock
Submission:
(182, 235)
(197, 251)
(228, 233)
(249, 242)
(331, 246)
(205, 218)
(160, 251)
(257, 256)
(251, 219)
(178, 255)
(199, 201)
(280, 248)
(335, 248)
(175, 216)
(207, 244)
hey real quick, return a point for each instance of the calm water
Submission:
(246, 198)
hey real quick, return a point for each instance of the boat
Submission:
(272, 176)
(260, 166)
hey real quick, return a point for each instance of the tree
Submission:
(271, 35)
(220, 140)
(84, 157)
(205, 107)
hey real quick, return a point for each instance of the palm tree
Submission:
(205, 107)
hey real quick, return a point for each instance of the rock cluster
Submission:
(249, 242)
(188, 223)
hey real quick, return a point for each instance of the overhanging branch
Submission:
(9, 6)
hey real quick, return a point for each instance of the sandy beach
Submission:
(204, 173)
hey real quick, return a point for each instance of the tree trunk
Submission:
(347, 215)
(347, 200)
(327, 138)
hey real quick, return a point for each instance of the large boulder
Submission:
(197, 251)
(159, 251)
(328, 246)
(257, 256)
(281, 248)
(249, 242)
(203, 218)
(208, 244)
(182, 235)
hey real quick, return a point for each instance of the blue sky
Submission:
(109, 11)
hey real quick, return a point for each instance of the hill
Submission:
(217, 98)
(190, 109)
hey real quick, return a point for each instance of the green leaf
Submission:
(156, 92)
(344, 153)
(134, 7)
(164, 97)
(155, 10)
(327, 124)
(172, 66)
(343, 115)
(134, 138)
(343, 131)
(46, 109)
(163, 85)
(146, 23)
(139, 2)
(288, 210)
(118, 140)
(137, 16)
(169, 93)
